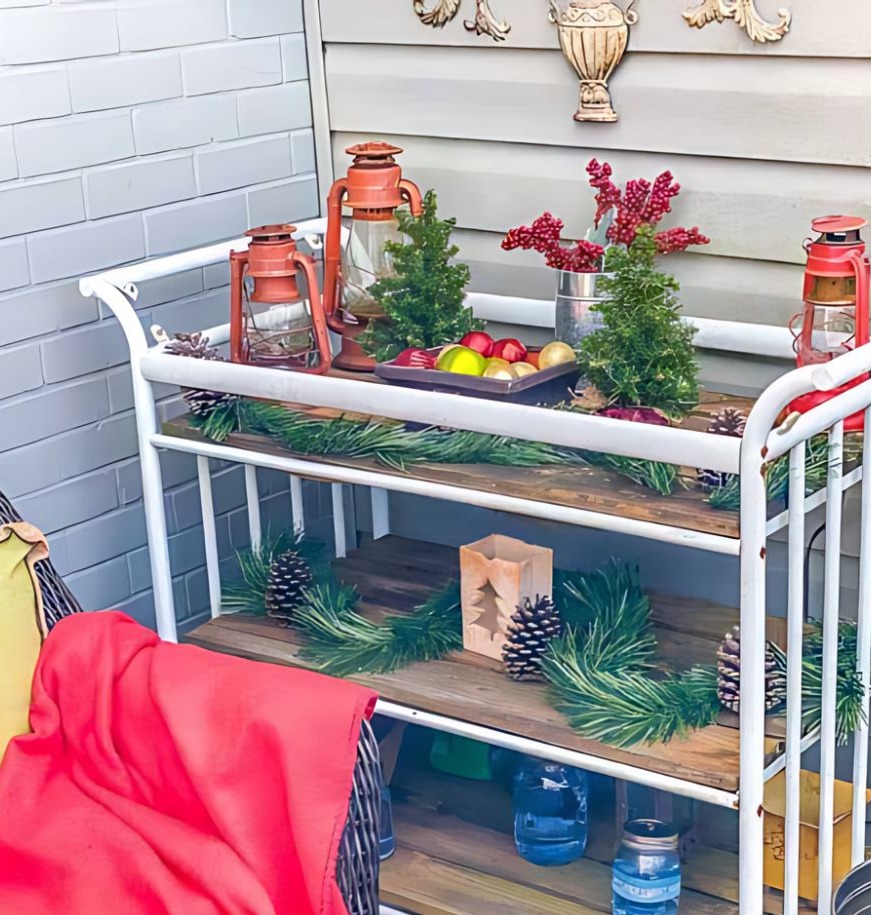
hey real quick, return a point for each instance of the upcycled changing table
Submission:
(723, 766)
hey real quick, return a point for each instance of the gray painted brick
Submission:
(71, 454)
(13, 268)
(110, 535)
(145, 26)
(177, 468)
(188, 225)
(138, 185)
(80, 352)
(162, 289)
(196, 591)
(139, 567)
(245, 162)
(294, 63)
(254, 18)
(8, 161)
(33, 92)
(126, 80)
(84, 249)
(273, 109)
(42, 309)
(128, 479)
(290, 201)
(57, 409)
(240, 65)
(70, 502)
(42, 204)
(20, 370)
(121, 389)
(101, 587)
(188, 122)
(55, 33)
(66, 143)
(302, 151)
(141, 608)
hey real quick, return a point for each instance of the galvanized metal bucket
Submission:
(577, 298)
(853, 896)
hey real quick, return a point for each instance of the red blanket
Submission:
(166, 779)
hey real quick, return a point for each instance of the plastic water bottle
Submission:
(646, 875)
(550, 812)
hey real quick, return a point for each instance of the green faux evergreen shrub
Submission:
(644, 355)
(423, 300)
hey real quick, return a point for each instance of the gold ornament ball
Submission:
(500, 369)
(523, 368)
(556, 353)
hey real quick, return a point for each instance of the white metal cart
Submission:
(762, 443)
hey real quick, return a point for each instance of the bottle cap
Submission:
(650, 834)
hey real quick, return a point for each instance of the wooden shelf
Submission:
(586, 488)
(393, 575)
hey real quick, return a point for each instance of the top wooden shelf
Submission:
(589, 489)
(393, 575)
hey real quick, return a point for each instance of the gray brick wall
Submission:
(132, 129)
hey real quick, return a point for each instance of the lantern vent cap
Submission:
(272, 233)
(375, 152)
(828, 225)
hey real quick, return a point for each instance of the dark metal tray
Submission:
(546, 387)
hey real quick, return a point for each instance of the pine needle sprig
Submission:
(341, 642)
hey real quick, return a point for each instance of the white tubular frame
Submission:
(763, 443)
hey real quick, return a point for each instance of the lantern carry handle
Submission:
(411, 192)
(238, 263)
(333, 253)
(319, 326)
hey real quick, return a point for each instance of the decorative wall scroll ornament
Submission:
(484, 23)
(593, 35)
(744, 13)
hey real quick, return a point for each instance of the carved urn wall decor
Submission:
(593, 35)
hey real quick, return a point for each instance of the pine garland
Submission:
(394, 446)
(338, 640)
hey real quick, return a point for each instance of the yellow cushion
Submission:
(22, 625)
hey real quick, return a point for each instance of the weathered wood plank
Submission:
(586, 882)
(753, 210)
(816, 31)
(587, 488)
(744, 108)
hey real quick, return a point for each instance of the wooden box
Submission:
(774, 804)
(496, 574)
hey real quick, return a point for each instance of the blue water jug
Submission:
(550, 812)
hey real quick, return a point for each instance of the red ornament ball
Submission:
(509, 349)
(480, 342)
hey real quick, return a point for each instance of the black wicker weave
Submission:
(357, 867)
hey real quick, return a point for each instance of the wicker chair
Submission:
(358, 864)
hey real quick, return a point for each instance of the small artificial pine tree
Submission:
(644, 353)
(423, 300)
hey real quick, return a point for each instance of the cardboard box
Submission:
(774, 804)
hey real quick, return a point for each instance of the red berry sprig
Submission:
(679, 239)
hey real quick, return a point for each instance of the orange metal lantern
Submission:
(835, 318)
(373, 189)
(267, 325)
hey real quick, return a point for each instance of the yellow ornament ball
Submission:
(556, 353)
(462, 361)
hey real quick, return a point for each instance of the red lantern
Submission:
(269, 323)
(373, 189)
(835, 319)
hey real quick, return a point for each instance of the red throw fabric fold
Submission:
(167, 779)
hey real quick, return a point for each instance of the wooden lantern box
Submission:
(496, 574)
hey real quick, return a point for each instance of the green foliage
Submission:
(643, 355)
(423, 300)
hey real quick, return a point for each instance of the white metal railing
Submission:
(763, 443)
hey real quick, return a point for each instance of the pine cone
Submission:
(289, 576)
(729, 422)
(196, 346)
(729, 673)
(532, 626)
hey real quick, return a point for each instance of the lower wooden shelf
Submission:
(393, 575)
